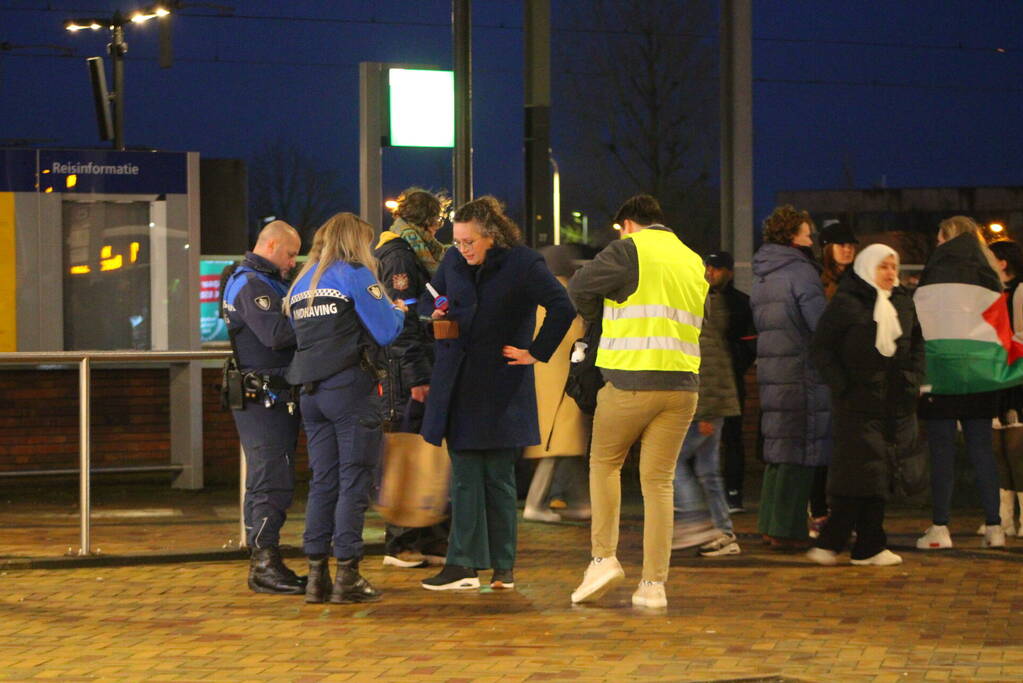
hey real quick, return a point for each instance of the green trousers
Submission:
(783, 501)
(484, 518)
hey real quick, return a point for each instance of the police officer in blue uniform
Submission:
(266, 416)
(342, 317)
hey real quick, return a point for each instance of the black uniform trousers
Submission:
(269, 437)
(865, 516)
(342, 425)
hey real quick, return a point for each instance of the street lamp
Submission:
(117, 48)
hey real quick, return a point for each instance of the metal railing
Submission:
(84, 361)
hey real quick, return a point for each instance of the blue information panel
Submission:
(93, 171)
(113, 172)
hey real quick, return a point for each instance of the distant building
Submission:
(907, 218)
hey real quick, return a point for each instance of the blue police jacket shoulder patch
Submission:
(375, 291)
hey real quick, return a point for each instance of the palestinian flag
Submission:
(965, 322)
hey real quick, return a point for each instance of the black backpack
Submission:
(584, 378)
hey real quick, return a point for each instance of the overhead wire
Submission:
(957, 46)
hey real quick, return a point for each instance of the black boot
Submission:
(318, 587)
(267, 573)
(350, 586)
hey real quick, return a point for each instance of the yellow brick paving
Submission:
(760, 616)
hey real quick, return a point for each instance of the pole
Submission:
(371, 75)
(84, 457)
(117, 49)
(736, 34)
(461, 23)
(538, 122)
(556, 201)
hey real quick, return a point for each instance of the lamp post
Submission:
(117, 48)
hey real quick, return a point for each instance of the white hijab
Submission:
(888, 327)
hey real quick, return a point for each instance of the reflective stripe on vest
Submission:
(658, 326)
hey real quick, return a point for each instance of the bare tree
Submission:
(643, 109)
(294, 186)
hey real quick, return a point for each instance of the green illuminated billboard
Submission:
(421, 107)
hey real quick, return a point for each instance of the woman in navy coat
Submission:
(482, 398)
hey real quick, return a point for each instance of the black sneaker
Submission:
(452, 578)
(502, 580)
(734, 499)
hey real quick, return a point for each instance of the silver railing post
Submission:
(243, 472)
(84, 455)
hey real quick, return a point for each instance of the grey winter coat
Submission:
(787, 300)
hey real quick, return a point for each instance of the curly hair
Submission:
(783, 224)
(489, 214)
(420, 207)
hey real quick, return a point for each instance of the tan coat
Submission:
(564, 429)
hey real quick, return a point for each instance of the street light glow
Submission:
(82, 24)
(996, 227)
(391, 204)
(145, 15)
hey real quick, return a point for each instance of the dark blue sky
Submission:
(905, 93)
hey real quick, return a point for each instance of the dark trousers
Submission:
(819, 493)
(484, 517)
(269, 437)
(342, 425)
(733, 457)
(865, 516)
(941, 439)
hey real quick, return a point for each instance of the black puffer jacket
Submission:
(873, 397)
(410, 357)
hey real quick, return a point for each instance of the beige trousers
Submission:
(660, 419)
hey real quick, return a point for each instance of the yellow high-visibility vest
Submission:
(658, 326)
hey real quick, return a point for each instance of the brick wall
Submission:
(130, 421)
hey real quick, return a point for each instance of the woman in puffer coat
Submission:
(787, 300)
(869, 349)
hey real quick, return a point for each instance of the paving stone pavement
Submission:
(941, 616)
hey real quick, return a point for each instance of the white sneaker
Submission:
(885, 558)
(1008, 529)
(650, 594)
(994, 537)
(406, 559)
(725, 544)
(601, 575)
(822, 556)
(935, 538)
(538, 515)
